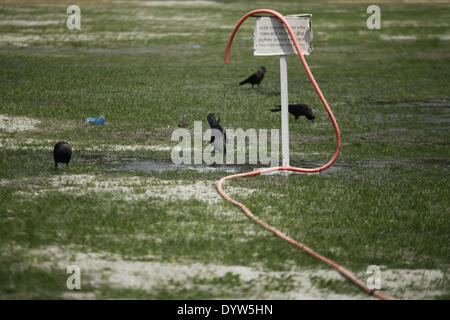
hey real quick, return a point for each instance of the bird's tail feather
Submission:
(277, 108)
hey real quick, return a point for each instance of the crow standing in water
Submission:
(297, 110)
(217, 132)
(62, 153)
(255, 78)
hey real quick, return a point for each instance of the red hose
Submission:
(277, 232)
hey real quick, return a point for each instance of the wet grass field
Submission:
(140, 227)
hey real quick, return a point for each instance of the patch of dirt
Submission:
(105, 269)
(147, 273)
(17, 124)
(132, 188)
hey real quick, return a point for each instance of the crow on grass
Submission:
(297, 110)
(218, 137)
(62, 153)
(255, 78)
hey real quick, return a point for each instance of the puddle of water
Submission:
(154, 166)
(336, 167)
(426, 103)
(136, 164)
(438, 162)
(376, 164)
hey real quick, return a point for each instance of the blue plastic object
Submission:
(100, 120)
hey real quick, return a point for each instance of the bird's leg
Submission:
(56, 165)
(67, 165)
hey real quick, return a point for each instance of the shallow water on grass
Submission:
(409, 103)
(136, 164)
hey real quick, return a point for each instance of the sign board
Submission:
(272, 39)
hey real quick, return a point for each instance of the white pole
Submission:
(284, 111)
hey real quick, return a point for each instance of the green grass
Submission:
(388, 206)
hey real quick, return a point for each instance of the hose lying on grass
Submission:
(277, 232)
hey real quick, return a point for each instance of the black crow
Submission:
(62, 153)
(255, 78)
(217, 131)
(297, 110)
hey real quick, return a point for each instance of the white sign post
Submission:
(272, 39)
(284, 112)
